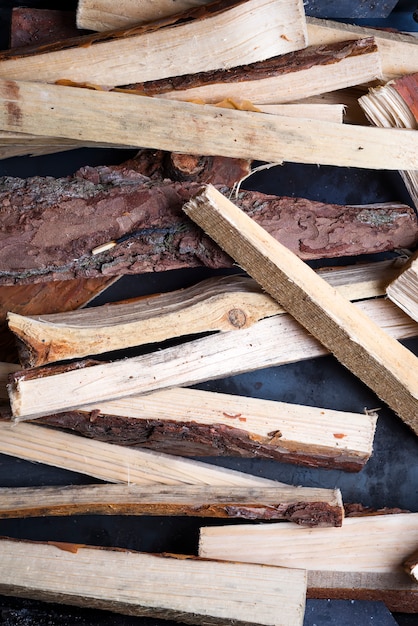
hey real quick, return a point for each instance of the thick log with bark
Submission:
(32, 27)
(51, 226)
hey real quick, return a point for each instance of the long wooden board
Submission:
(184, 589)
(377, 359)
(306, 506)
(127, 119)
(272, 341)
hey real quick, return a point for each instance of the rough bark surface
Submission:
(33, 27)
(276, 66)
(49, 227)
(193, 439)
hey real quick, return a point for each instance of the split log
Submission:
(216, 304)
(97, 205)
(368, 570)
(403, 289)
(188, 590)
(127, 119)
(398, 51)
(286, 78)
(198, 423)
(116, 464)
(396, 105)
(380, 361)
(309, 507)
(411, 566)
(269, 342)
(168, 45)
(33, 27)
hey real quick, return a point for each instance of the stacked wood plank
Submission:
(235, 100)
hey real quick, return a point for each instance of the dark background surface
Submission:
(389, 479)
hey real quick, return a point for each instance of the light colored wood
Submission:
(403, 290)
(411, 566)
(270, 342)
(290, 85)
(261, 29)
(21, 144)
(115, 463)
(223, 304)
(381, 362)
(101, 15)
(326, 112)
(399, 52)
(372, 543)
(385, 107)
(308, 506)
(187, 589)
(126, 119)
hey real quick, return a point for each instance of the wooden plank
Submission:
(127, 119)
(115, 463)
(398, 51)
(185, 589)
(318, 549)
(286, 78)
(193, 422)
(104, 15)
(300, 505)
(377, 359)
(222, 304)
(270, 342)
(168, 47)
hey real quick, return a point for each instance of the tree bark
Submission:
(51, 226)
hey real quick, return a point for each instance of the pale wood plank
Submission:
(223, 304)
(403, 290)
(399, 52)
(127, 119)
(101, 15)
(377, 359)
(377, 543)
(185, 589)
(306, 506)
(114, 463)
(270, 342)
(261, 29)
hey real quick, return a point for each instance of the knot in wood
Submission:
(237, 318)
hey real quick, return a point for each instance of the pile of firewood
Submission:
(201, 94)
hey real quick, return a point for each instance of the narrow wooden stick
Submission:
(127, 119)
(306, 506)
(183, 589)
(377, 359)
(272, 341)
(114, 463)
(287, 78)
(223, 304)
